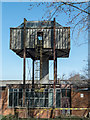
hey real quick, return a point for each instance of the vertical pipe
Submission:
(24, 54)
(33, 75)
(40, 59)
(70, 99)
(54, 65)
(24, 62)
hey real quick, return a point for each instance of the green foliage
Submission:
(9, 117)
(62, 117)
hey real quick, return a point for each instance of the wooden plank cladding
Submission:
(37, 32)
(62, 38)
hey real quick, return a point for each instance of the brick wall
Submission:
(80, 99)
(76, 102)
(37, 113)
(4, 110)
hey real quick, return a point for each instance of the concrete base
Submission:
(45, 71)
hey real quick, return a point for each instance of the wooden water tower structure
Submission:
(40, 40)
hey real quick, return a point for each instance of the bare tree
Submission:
(76, 13)
(84, 74)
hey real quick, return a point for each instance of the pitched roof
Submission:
(38, 24)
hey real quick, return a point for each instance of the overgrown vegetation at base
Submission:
(13, 117)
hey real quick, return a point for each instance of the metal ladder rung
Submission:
(37, 70)
(39, 45)
(37, 62)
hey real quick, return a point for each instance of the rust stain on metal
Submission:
(33, 76)
(54, 65)
(24, 54)
(69, 38)
(10, 37)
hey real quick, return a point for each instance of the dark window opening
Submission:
(11, 99)
(68, 93)
(36, 98)
(40, 38)
(65, 100)
(15, 97)
(20, 98)
(40, 35)
(65, 92)
(57, 98)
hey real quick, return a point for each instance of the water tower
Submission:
(43, 41)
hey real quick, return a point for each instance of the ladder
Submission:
(37, 65)
(38, 62)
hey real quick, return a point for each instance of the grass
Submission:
(0, 117)
(12, 117)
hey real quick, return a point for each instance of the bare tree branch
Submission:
(76, 16)
(70, 4)
(75, 12)
(55, 11)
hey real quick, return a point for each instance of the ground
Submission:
(10, 117)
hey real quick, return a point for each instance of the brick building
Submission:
(26, 102)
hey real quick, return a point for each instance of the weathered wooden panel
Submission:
(27, 38)
(47, 38)
(15, 38)
(31, 43)
(62, 36)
